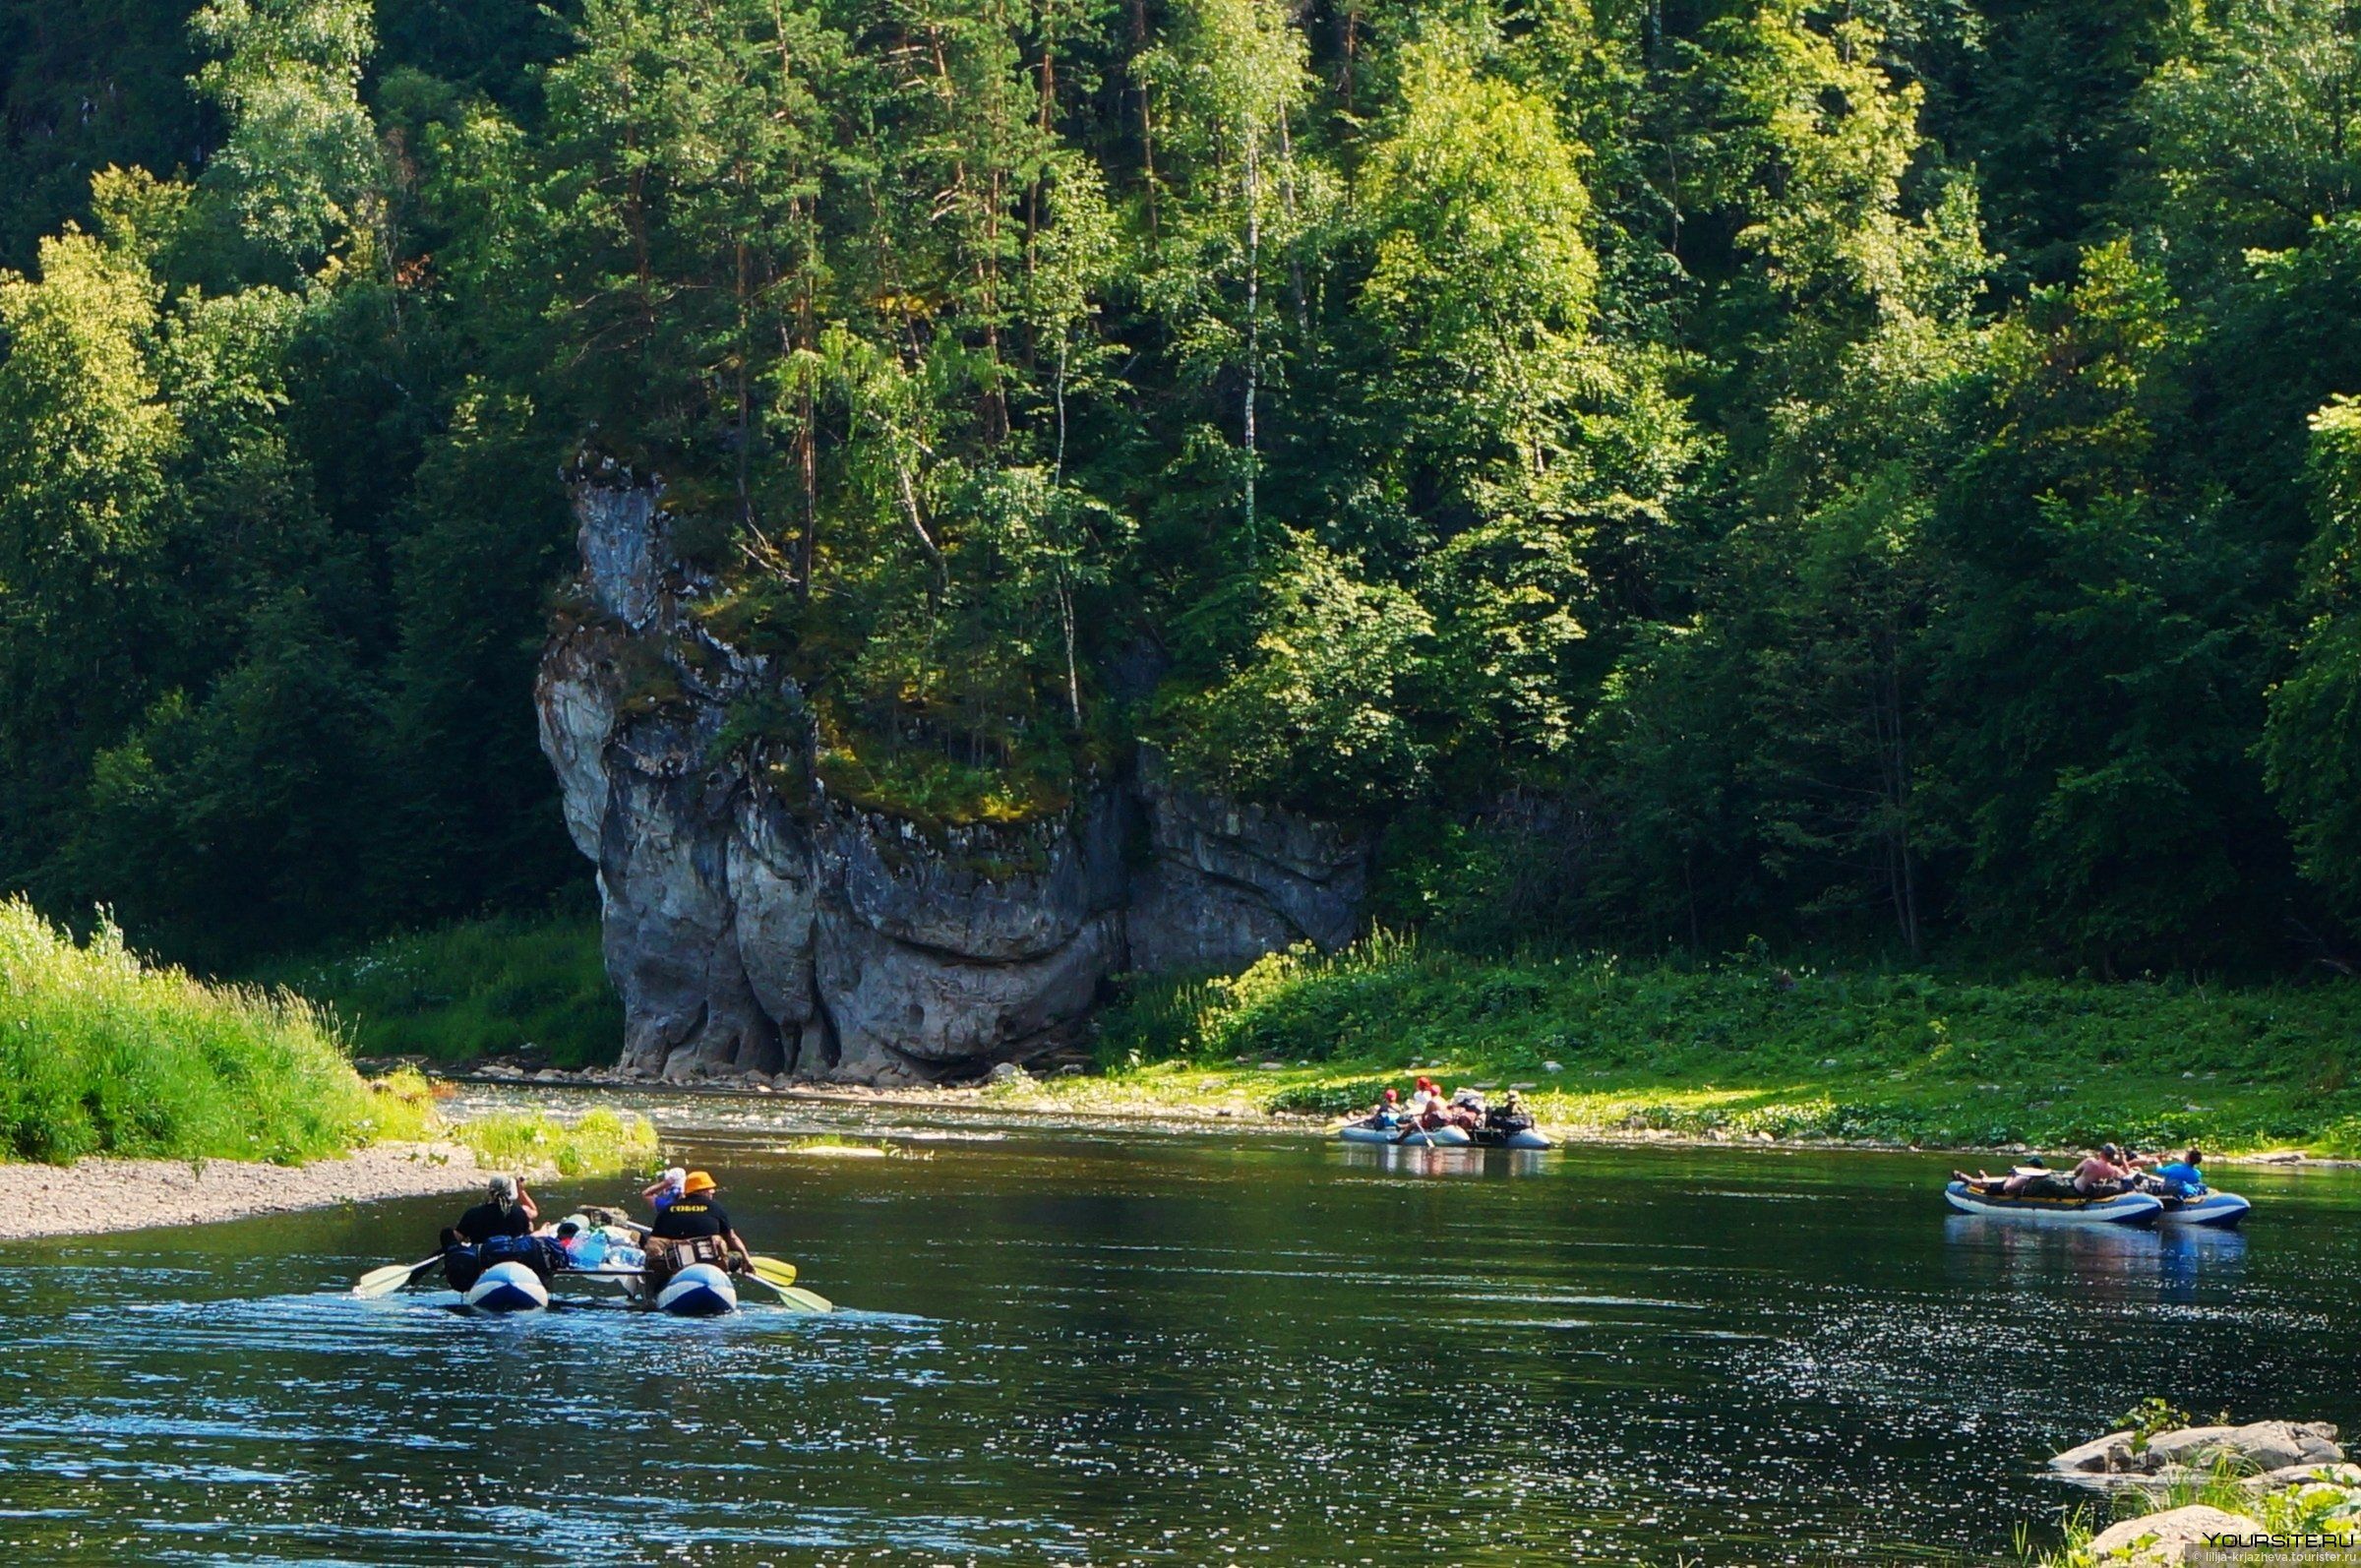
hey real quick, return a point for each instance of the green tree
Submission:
(2312, 747)
(301, 166)
(87, 453)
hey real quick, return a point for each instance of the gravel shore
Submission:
(138, 1194)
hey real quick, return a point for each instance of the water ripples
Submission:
(1119, 1350)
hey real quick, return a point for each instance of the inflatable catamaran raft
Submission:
(695, 1289)
(2216, 1210)
(1446, 1136)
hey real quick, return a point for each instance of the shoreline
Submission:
(149, 1194)
(1029, 1097)
(124, 1195)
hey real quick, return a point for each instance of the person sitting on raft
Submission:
(1509, 1117)
(2098, 1174)
(1426, 1104)
(499, 1227)
(507, 1210)
(694, 1228)
(661, 1193)
(2103, 1173)
(2181, 1178)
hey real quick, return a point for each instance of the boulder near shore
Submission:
(2263, 1458)
(2256, 1448)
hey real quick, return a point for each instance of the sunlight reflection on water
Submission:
(1108, 1346)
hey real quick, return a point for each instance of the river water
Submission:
(1075, 1344)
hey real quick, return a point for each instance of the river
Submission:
(1067, 1342)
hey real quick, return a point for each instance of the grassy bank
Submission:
(102, 1054)
(501, 986)
(1746, 1047)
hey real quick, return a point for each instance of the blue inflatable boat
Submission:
(2219, 1210)
(2120, 1208)
(697, 1290)
(507, 1288)
(1411, 1137)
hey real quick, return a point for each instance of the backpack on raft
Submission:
(534, 1252)
(463, 1266)
(668, 1255)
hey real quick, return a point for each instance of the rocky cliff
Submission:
(755, 924)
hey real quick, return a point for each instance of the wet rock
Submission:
(2108, 1455)
(2257, 1447)
(2344, 1476)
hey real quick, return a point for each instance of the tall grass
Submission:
(102, 1053)
(476, 988)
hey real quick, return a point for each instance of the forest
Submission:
(1880, 477)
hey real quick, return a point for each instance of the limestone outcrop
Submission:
(755, 924)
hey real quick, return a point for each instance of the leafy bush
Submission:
(102, 1053)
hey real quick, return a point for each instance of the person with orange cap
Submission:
(694, 1228)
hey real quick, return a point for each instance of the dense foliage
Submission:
(1867, 473)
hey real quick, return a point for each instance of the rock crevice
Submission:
(758, 926)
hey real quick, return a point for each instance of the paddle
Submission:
(392, 1277)
(794, 1297)
(779, 1278)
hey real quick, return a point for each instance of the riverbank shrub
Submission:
(600, 1143)
(1746, 1049)
(506, 986)
(103, 1054)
